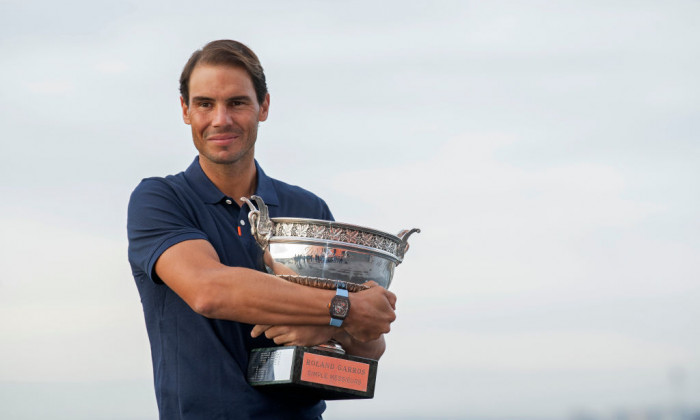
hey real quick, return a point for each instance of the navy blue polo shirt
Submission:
(199, 364)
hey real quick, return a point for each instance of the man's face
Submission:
(223, 113)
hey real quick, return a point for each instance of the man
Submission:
(206, 300)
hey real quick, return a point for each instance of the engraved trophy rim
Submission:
(340, 233)
(333, 223)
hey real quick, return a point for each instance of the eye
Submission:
(201, 103)
(237, 102)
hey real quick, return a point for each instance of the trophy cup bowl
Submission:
(322, 254)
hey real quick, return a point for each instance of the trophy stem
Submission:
(332, 346)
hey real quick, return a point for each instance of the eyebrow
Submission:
(232, 98)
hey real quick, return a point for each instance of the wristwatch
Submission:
(339, 306)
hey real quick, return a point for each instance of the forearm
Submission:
(192, 270)
(253, 297)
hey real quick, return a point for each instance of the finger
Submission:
(392, 300)
(271, 333)
(277, 331)
(283, 339)
(370, 283)
(258, 329)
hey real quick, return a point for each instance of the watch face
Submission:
(339, 307)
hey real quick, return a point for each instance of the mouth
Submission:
(223, 138)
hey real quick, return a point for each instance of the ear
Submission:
(264, 108)
(185, 111)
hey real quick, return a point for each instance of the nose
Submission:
(221, 117)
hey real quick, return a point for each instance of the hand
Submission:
(371, 349)
(371, 313)
(295, 335)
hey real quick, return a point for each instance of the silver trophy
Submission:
(322, 254)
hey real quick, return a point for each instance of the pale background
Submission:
(548, 150)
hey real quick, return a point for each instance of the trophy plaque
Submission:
(322, 254)
(329, 375)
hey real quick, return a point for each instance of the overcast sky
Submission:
(548, 151)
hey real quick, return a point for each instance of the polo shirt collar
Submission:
(210, 194)
(266, 188)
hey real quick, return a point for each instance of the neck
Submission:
(236, 180)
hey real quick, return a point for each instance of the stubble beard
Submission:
(242, 155)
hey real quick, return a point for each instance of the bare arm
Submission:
(192, 270)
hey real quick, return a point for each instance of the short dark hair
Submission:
(226, 52)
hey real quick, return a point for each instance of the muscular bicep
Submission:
(186, 267)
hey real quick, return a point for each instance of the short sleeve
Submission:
(157, 219)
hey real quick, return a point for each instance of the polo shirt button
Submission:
(242, 222)
(228, 201)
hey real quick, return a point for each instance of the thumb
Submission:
(370, 284)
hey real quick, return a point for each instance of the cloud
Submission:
(541, 351)
(68, 305)
(465, 177)
(51, 87)
(483, 216)
(111, 66)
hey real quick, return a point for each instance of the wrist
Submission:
(339, 307)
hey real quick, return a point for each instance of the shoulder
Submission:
(285, 190)
(157, 187)
(157, 183)
(295, 201)
(149, 186)
(158, 196)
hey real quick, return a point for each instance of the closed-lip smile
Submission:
(224, 137)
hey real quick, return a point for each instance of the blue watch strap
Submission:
(340, 291)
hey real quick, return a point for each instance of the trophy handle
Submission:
(260, 223)
(403, 246)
